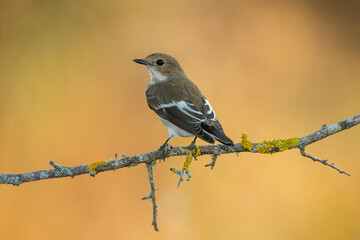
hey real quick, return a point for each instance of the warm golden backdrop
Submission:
(69, 92)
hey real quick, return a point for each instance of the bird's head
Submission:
(162, 67)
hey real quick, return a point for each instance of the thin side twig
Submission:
(323, 161)
(149, 168)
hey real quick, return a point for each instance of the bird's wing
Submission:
(182, 114)
(212, 125)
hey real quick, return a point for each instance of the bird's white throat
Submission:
(155, 76)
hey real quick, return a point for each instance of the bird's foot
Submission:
(192, 144)
(164, 151)
(191, 154)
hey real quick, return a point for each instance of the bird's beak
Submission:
(140, 61)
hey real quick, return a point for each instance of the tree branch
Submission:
(268, 147)
(147, 158)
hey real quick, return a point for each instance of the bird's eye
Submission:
(160, 62)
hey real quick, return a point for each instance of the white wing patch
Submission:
(210, 110)
(184, 108)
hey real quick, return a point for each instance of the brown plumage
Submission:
(178, 102)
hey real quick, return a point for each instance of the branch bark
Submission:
(151, 195)
(147, 158)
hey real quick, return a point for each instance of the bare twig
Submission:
(130, 161)
(61, 170)
(213, 161)
(149, 167)
(325, 162)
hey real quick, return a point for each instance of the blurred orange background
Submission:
(69, 92)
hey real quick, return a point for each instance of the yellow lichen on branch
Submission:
(192, 153)
(246, 143)
(270, 147)
(92, 167)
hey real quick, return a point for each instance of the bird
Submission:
(179, 103)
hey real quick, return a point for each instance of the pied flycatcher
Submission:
(178, 102)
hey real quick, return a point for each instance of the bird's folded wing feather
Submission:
(179, 114)
(188, 117)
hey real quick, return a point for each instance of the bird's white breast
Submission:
(173, 130)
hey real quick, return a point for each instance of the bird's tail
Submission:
(217, 134)
(224, 139)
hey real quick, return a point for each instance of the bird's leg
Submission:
(192, 144)
(163, 148)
